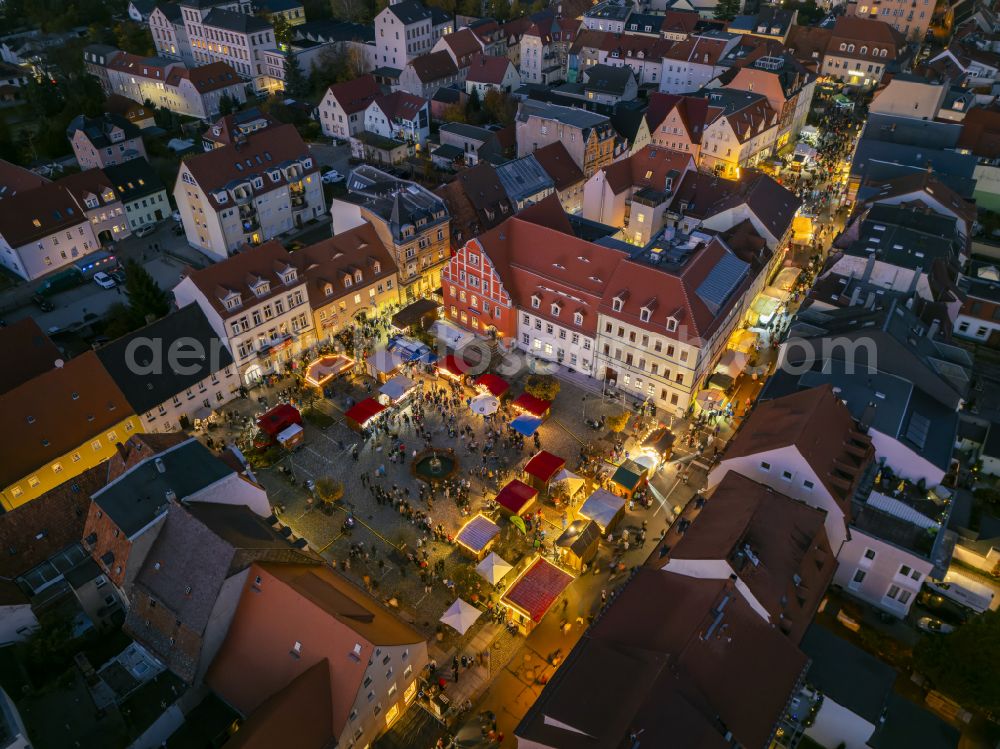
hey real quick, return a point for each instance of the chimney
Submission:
(933, 329)
(854, 295)
(171, 495)
(122, 450)
(160, 467)
(869, 267)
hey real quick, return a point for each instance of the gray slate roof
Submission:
(524, 177)
(242, 23)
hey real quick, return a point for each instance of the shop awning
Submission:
(453, 366)
(537, 589)
(495, 384)
(526, 424)
(532, 405)
(787, 278)
(573, 482)
(765, 307)
(364, 411)
(397, 387)
(413, 313)
(544, 465)
(732, 362)
(384, 360)
(278, 418)
(628, 475)
(720, 381)
(602, 507)
(710, 399)
(578, 536)
(411, 350)
(493, 568)
(460, 616)
(743, 341)
(516, 497)
(477, 533)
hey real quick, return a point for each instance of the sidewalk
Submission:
(472, 681)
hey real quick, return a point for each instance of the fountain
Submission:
(434, 465)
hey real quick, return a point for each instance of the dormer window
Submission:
(289, 276)
(671, 324)
(536, 301)
(555, 310)
(617, 303)
(328, 289)
(275, 176)
(221, 197)
(377, 267)
(258, 183)
(577, 318)
(347, 282)
(307, 163)
(357, 277)
(261, 288)
(644, 314)
(233, 301)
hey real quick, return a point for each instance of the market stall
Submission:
(525, 424)
(362, 414)
(275, 421)
(320, 371)
(629, 477)
(416, 315)
(383, 363)
(568, 483)
(541, 469)
(493, 568)
(660, 445)
(291, 436)
(484, 404)
(452, 368)
(477, 536)
(529, 404)
(493, 384)
(397, 391)
(530, 596)
(604, 508)
(743, 341)
(460, 616)
(516, 497)
(578, 544)
(763, 309)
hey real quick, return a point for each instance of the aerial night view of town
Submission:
(500, 374)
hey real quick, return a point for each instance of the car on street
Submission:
(118, 276)
(145, 231)
(42, 303)
(177, 216)
(103, 280)
(934, 626)
(332, 177)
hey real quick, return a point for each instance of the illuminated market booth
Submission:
(604, 508)
(493, 384)
(542, 469)
(493, 568)
(532, 594)
(397, 391)
(477, 536)
(516, 497)
(578, 544)
(320, 371)
(363, 414)
(630, 477)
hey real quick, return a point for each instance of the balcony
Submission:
(248, 211)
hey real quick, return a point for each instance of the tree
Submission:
(282, 31)
(146, 298)
(501, 108)
(957, 663)
(543, 387)
(328, 490)
(618, 422)
(226, 105)
(455, 113)
(135, 38)
(296, 83)
(727, 10)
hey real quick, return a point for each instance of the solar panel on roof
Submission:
(722, 280)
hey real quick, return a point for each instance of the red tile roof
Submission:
(695, 112)
(35, 353)
(206, 78)
(14, 179)
(696, 49)
(538, 588)
(51, 205)
(433, 66)
(516, 496)
(981, 132)
(400, 105)
(329, 262)
(648, 167)
(559, 165)
(488, 69)
(838, 453)
(240, 271)
(544, 465)
(463, 43)
(355, 95)
(867, 31)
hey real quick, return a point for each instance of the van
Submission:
(61, 281)
(145, 230)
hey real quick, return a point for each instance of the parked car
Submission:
(332, 177)
(43, 304)
(145, 231)
(103, 280)
(118, 276)
(177, 216)
(934, 626)
(942, 608)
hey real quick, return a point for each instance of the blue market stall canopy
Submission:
(411, 350)
(526, 424)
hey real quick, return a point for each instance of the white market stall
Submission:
(493, 568)
(460, 616)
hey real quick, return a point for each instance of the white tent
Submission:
(493, 568)
(484, 404)
(460, 616)
(573, 482)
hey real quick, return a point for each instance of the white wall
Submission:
(835, 725)
(235, 490)
(17, 622)
(881, 572)
(904, 461)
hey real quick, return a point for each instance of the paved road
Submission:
(335, 157)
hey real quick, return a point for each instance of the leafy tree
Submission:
(500, 10)
(516, 9)
(282, 30)
(135, 38)
(473, 105)
(727, 10)
(226, 105)
(545, 387)
(958, 664)
(618, 422)
(500, 107)
(145, 296)
(470, 8)
(328, 490)
(455, 113)
(296, 83)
